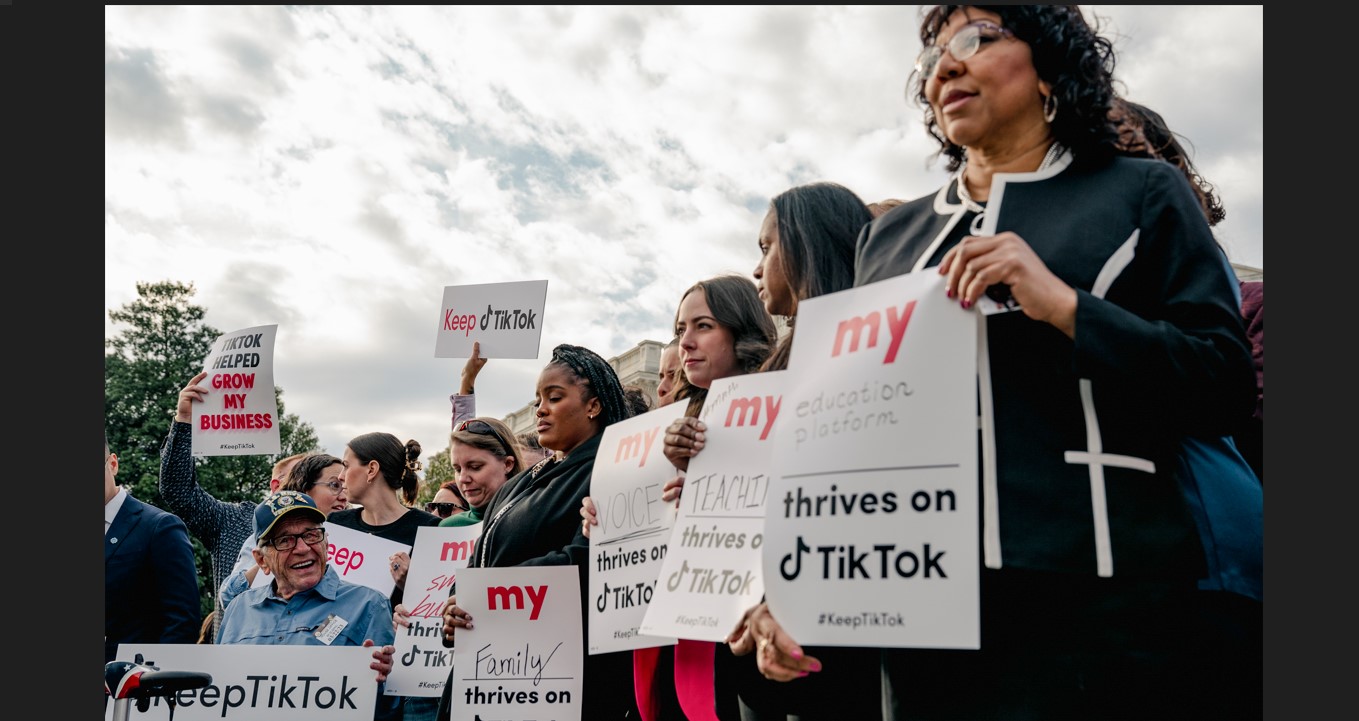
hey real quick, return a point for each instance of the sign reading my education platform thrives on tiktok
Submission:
(871, 534)
(239, 415)
(261, 683)
(522, 660)
(506, 318)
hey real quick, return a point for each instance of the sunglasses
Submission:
(444, 510)
(964, 44)
(482, 428)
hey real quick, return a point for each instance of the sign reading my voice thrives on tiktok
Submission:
(239, 416)
(506, 318)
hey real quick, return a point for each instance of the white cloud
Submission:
(331, 169)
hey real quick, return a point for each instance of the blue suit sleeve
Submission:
(176, 581)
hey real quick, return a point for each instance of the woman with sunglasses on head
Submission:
(533, 519)
(484, 454)
(318, 476)
(1121, 338)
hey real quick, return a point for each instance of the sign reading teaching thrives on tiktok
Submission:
(629, 544)
(713, 572)
(239, 415)
(522, 659)
(506, 318)
(262, 683)
(421, 664)
(871, 535)
(358, 557)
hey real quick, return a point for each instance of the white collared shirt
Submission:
(112, 507)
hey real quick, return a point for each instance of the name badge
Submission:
(330, 629)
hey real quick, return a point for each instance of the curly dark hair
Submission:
(1068, 53)
(1143, 133)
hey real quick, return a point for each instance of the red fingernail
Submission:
(948, 292)
(816, 666)
(803, 674)
(967, 304)
(796, 654)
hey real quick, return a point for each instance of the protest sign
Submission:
(712, 572)
(629, 544)
(421, 662)
(506, 318)
(262, 683)
(871, 530)
(239, 416)
(522, 660)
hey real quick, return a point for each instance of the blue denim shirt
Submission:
(259, 616)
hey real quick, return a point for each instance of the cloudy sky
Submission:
(332, 169)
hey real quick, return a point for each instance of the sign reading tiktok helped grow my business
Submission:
(712, 572)
(506, 318)
(871, 527)
(629, 544)
(239, 415)
(421, 663)
(261, 683)
(522, 659)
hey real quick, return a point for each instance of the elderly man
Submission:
(308, 603)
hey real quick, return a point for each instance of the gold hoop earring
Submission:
(1050, 108)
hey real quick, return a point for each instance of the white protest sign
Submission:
(420, 666)
(871, 531)
(262, 683)
(629, 544)
(239, 416)
(712, 572)
(506, 318)
(357, 556)
(522, 659)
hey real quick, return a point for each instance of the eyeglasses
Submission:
(482, 428)
(286, 541)
(964, 44)
(336, 486)
(444, 510)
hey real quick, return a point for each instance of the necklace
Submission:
(1054, 152)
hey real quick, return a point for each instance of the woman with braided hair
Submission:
(533, 520)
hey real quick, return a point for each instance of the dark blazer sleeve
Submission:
(175, 579)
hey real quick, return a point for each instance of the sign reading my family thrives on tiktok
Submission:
(420, 666)
(506, 318)
(629, 544)
(522, 659)
(871, 535)
(239, 415)
(713, 573)
(260, 683)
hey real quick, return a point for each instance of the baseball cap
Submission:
(275, 507)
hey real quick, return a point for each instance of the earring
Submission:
(1050, 108)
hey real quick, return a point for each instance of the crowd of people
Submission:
(1121, 579)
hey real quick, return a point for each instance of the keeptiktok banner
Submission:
(506, 318)
(239, 416)
(421, 664)
(522, 659)
(260, 683)
(630, 542)
(712, 572)
(871, 529)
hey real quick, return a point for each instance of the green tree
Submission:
(438, 470)
(161, 345)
